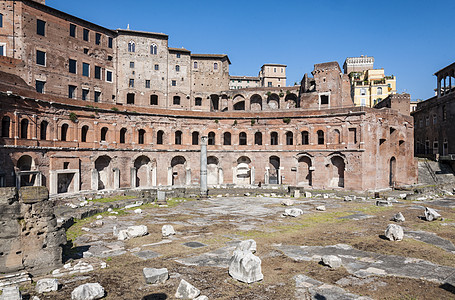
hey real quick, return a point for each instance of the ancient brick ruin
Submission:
(111, 109)
(29, 238)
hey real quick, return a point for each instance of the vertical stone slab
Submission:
(188, 176)
(154, 176)
(169, 176)
(94, 183)
(161, 197)
(133, 175)
(252, 175)
(77, 181)
(53, 182)
(203, 168)
(116, 178)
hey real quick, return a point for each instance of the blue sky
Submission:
(409, 39)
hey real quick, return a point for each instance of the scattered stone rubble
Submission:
(154, 276)
(398, 217)
(244, 265)
(331, 261)
(167, 230)
(186, 291)
(431, 214)
(88, 291)
(394, 232)
(293, 212)
(46, 285)
(132, 232)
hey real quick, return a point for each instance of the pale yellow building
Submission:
(273, 75)
(369, 86)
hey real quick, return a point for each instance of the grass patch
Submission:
(112, 199)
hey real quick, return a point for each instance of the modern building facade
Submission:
(369, 86)
(121, 109)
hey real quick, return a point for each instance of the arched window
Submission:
(273, 138)
(258, 138)
(6, 121)
(320, 137)
(84, 132)
(336, 136)
(141, 136)
(242, 138)
(43, 130)
(211, 137)
(177, 68)
(160, 137)
(195, 65)
(24, 129)
(178, 137)
(289, 138)
(131, 47)
(215, 66)
(123, 135)
(379, 91)
(195, 138)
(305, 138)
(153, 100)
(153, 49)
(227, 138)
(103, 134)
(64, 132)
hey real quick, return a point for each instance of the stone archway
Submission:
(273, 101)
(25, 165)
(142, 164)
(304, 173)
(212, 170)
(274, 170)
(337, 171)
(243, 171)
(178, 166)
(103, 168)
(392, 171)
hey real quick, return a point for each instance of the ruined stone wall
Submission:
(398, 102)
(153, 148)
(59, 48)
(147, 66)
(205, 78)
(30, 239)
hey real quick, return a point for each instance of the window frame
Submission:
(41, 84)
(86, 35)
(85, 72)
(73, 30)
(40, 27)
(72, 62)
(38, 56)
(97, 38)
(98, 72)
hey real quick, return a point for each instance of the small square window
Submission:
(85, 50)
(85, 69)
(147, 84)
(84, 94)
(72, 30)
(174, 83)
(157, 67)
(71, 91)
(269, 84)
(97, 38)
(85, 34)
(198, 101)
(97, 96)
(130, 98)
(131, 83)
(109, 58)
(178, 55)
(131, 64)
(109, 42)
(72, 66)
(40, 27)
(40, 58)
(109, 76)
(97, 72)
(40, 86)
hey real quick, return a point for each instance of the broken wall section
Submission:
(29, 237)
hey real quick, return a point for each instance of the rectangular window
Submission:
(97, 38)
(195, 64)
(97, 96)
(2, 50)
(97, 72)
(84, 94)
(131, 83)
(72, 66)
(131, 64)
(40, 86)
(363, 102)
(72, 30)
(178, 55)
(109, 76)
(40, 27)
(174, 83)
(40, 58)
(157, 67)
(324, 99)
(71, 91)
(109, 42)
(147, 84)
(85, 34)
(269, 84)
(85, 69)
(130, 98)
(1, 20)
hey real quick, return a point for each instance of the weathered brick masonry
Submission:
(144, 128)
